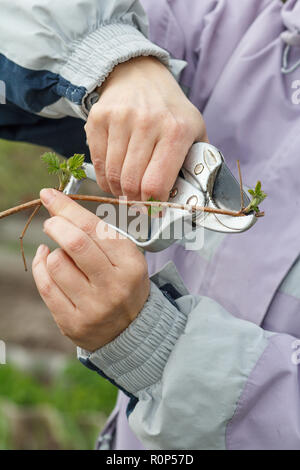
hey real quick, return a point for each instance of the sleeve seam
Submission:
(243, 394)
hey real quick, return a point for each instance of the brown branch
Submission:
(20, 208)
(241, 186)
(24, 232)
(108, 200)
(37, 203)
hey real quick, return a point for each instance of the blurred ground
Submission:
(24, 319)
(48, 400)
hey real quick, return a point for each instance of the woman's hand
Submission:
(97, 283)
(141, 130)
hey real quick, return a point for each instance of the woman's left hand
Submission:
(96, 283)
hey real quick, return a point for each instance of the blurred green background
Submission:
(48, 400)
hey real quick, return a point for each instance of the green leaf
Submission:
(64, 169)
(153, 210)
(258, 187)
(258, 196)
(79, 174)
(52, 161)
(76, 162)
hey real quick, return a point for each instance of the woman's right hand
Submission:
(141, 129)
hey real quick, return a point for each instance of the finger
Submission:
(79, 246)
(67, 276)
(138, 156)
(97, 142)
(163, 168)
(58, 204)
(120, 250)
(205, 138)
(57, 302)
(118, 138)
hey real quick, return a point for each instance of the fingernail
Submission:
(47, 195)
(41, 250)
(45, 224)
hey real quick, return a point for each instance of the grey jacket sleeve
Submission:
(201, 378)
(58, 52)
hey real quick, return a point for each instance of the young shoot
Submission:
(64, 169)
(258, 196)
(153, 210)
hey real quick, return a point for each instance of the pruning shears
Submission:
(205, 180)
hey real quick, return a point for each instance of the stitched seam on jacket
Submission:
(244, 395)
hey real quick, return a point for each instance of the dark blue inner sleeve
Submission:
(65, 136)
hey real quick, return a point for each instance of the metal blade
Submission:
(226, 191)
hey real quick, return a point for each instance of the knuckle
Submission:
(144, 121)
(104, 115)
(45, 289)
(152, 187)
(54, 261)
(113, 176)
(89, 226)
(103, 184)
(96, 115)
(160, 115)
(120, 114)
(99, 165)
(130, 185)
(76, 244)
(177, 129)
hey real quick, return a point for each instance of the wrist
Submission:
(138, 62)
(142, 63)
(136, 358)
(116, 322)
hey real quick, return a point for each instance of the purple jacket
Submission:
(212, 361)
(234, 52)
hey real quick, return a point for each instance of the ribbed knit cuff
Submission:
(136, 359)
(96, 55)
